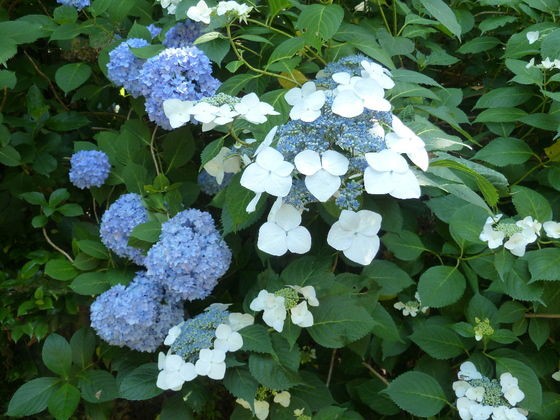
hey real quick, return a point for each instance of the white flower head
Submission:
(273, 307)
(282, 398)
(510, 388)
(308, 293)
(475, 393)
(494, 237)
(301, 316)
(253, 110)
(211, 363)
(355, 234)
(227, 339)
(323, 171)
(177, 111)
(388, 173)
(224, 162)
(531, 228)
(241, 11)
(517, 244)
(378, 73)
(172, 334)
(282, 232)
(460, 388)
(211, 116)
(174, 372)
(532, 36)
(306, 102)
(552, 229)
(404, 140)
(200, 13)
(354, 94)
(505, 413)
(238, 321)
(467, 371)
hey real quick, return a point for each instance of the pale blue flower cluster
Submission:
(134, 315)
(198, 333)
(78, 4)
(189, 257)
(350, 64)
(299, 196)
(118, 221)
(124, 67)
(348, 196)
(208, 184)
(175, 73)
(89, 168)
(183, 34)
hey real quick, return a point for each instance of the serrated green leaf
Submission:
(539, 331)
(98, 386)
(478, 45)
(271, 373)
(240, 383)
(543, 264)
(444, 15)
(319, 22)
(501, 115)
(438, 341)
(60, 269)
(32, 397)
(528, 202)
(405, 245)
(505, 151)
(510, 96)
(235, 206)
(388, 276)
(140, 384)
(417, 393)
(441, 286)
(287, 49)
(57, 354)
(93, 248)
(64, 401)
(8, 79)
(528, 381)
(257, 339)
(82, 344)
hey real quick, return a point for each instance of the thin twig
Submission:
(550, 316)
(5, 91)
(376, 373)
(331, 368)
(153, 151)
(51, 243)
(44, 76)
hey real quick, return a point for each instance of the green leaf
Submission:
(178, 148)
(58, 196)
(528, 202)
(539, 331)
(495, 22)
(65, 14)
(338, 320)
(57, 354)
(147, 232)
(388, 276)
(257, 339)
(140, 384)
(271, 373)
(478, 45)
(319, 22)
(72, 76)
(90, 284)
(384, 325)
(70, 210)
(237, 199)
(8, 49)
(510, 96)
(443, 13)
(493, 115)
(148, 51)
(216, 49)
(60, 269)
(543, 264)
(441, 286)
(287, 49)
(82, 344)
(417, 393)
(93, 248)
(466, 224)
(99, 386)
(240, 383)
(505, 151)
(67, 121)
(7, 79)
(528, 381)
(516, 284)
(20, 31)
(9, 156)
(32, 397)
(313, 391)
(438, 341)
(64, 401)
(211, 150)
(524, 75)
(405, 245)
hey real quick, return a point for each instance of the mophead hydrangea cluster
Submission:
(78, 4)
(89, 168)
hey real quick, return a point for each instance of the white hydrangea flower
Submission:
(475, 393)
(174, 372)
(211, 116)
(308, 293)
(409, 308)
(388, 173)
(468, 371)
(505, 413)
(306, 102)
(170, 5)
(269, 173)
(480, 411)
(552, 229)
(518, 242)
(224, 162)
(532, 36)
(177, 111)
(273, 307)
(238, 321)
(253, 110)
(531, 228)
(172, 334)
(322, 171)
(460, 388)
(283, 398)
(510, 388)
(211, 363)
(262, 408)
(354, 94)
(355, 234)
(404, 140)
(282, 231)
(241, 10)
(200, 13)
(556, 376)
(227, 339)
(494, 237)
(301, 316)
(378, 73)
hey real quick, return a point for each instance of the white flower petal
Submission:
(347, 104)
(299, 240)
(406, 185)
(272, 239)
(255, 178)
(378, 182)
(308, 162)
(287, 217)
(238, 321)
(334, 163)
(322, 185)
(363, 249)
(178, 112)
(301, 316)
(339, 238)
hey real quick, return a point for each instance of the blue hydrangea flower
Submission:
(89, 168)
(124, 67)
(176, 73)
(154, 30)
(183, 34)
(78, 4)
(189, 257)
(198, 333)
(118, 221)
(299, 196)
(350, 64)
(208, 184)
(134, 316)
(348, 196)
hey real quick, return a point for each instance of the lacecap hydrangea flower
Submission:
(89, 168)
(123, 68)
(78, 4)
(519, 234)
(183, 34)
(134, 315)
(117, 223)
(175, 73)
(189, 257)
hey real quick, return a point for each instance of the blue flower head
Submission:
(198, 333)
(124, 67)
(78, 4)
(118, 221)
(183, 34)
(134, 316)
(89, 168)
(175, 73)
(208, 184)
(189, 257)
(350, 64)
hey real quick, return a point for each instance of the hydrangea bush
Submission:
(280, 209)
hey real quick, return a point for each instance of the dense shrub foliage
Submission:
(280, 209)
